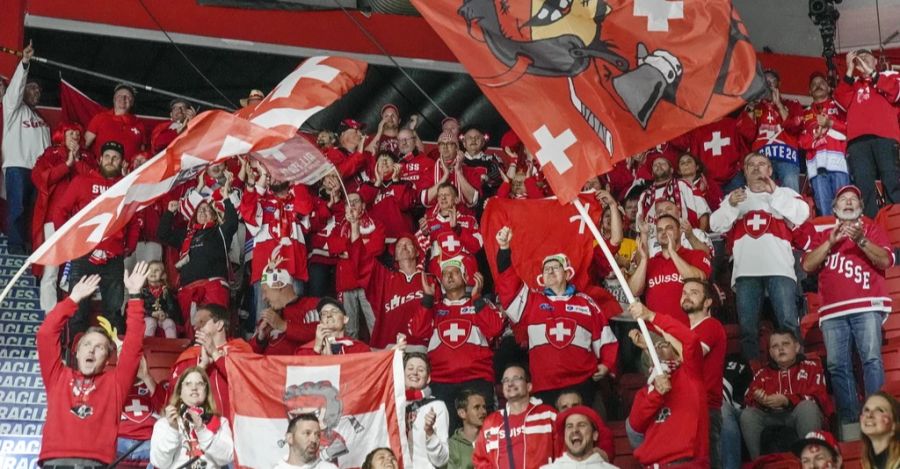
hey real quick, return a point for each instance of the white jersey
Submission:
(760, 230)
(25, 134)
(566, 462)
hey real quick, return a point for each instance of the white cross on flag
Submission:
(210, 137)
(360, 400)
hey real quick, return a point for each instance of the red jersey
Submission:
(776, 137)
(324, 238)
(848, 281)
(302, 318)
(664, 283)
(675, 424)
(446, 242)
(395, 298)
(141, 411)
(472, 174)
(531, 434)
(871, 105)
(278, 223)
(459, 335)
(348, 164)
(831, 144)
(98, 399)
(721, 146)
(390, 204)
(355, 270)
(218, 376)
(125, 129)
(568, 335)
(417, 168)
(84, 188)
(803, 381)
(714, 342)
(163, 134)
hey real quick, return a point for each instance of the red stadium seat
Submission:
(891, 356)
(161, 354)
(851, 452)
(889, 218)
(629, 385)
(733, 333)
(776, 461)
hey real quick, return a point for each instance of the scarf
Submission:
(192, 443)
(417, 399)
(189, 236)
(670, 191)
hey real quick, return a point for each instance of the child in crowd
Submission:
(160, 307)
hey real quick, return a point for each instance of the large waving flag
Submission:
(360, 401)
(587, 83)
(210, 137)
(561, 230)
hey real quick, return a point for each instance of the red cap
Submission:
(654, 154)
(848, 187)
(821, 438)
(389, 106)
(510, 140)
(576, 410)
(351, 124)
(445, 137)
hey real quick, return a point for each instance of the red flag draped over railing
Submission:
(586, 84)
(359, 399)
(211, 136)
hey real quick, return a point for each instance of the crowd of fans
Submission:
(386, 253)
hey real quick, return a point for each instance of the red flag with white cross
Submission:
(211, 136)
(587, 83)
(360, 400)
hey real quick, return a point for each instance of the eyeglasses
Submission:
(552, 268)
(512, 379)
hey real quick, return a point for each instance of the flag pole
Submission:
(620, 276)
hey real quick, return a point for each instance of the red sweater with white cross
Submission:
(568, 335)
(94, 436)
(459, 335)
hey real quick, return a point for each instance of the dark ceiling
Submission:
(235, 73)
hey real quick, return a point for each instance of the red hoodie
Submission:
(93, 437)
(84, 188)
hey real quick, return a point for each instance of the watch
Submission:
(862, 242)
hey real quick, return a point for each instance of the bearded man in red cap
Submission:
(851, 260)
(570, 343)
(582, 433)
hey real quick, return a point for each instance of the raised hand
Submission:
(28, 52)
(430, 418)
(737, 196)
(84, 288)
(427, 286)
(479, 285)
(504, 236)
(134, 281)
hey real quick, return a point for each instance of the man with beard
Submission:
(759, 221)
(823, 138)
(108, 258)
(349, 156)
(385, 140)
(325, 139)
(579, 430)
(697, 298)
(302, 440)
(666, 186)
(851, 260)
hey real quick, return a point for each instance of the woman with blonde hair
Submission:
(192, 434)
(879, 423)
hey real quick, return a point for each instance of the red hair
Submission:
(59, 135)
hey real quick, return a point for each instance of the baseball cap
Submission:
(348, 123)
(850, 188)
(389, 106)
(113, 145)
(327, 300)
(821, 438)
(584, 410)
(446, 137)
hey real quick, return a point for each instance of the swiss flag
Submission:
(211, 136)
(561, 230)
(360, 400)
(586, 84)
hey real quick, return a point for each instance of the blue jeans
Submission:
(787, 174)
(736, 182)
(730, 437)
(825, 185)
(142, 453)
(865, 330)
(19, 198)
(750, 292)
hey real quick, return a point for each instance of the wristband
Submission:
(134, 296)
(862, 243)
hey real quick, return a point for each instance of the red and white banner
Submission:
(211, 136)
(561, 230)
(296, 160)
(360, 400)
(586, 84)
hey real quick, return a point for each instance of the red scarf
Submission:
(189, 236)
(670, 192)
(193, 449)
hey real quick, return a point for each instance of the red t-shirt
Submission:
(664, 283)
(714, 342)
(125, 129)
